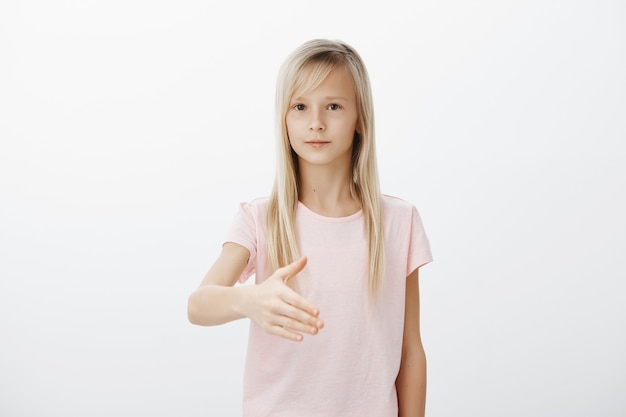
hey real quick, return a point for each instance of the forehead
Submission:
(328, 81)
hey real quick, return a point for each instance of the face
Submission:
(321, 123)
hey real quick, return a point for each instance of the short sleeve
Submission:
(243, 231)
(419, 247)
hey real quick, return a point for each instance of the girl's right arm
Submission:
(272, 304)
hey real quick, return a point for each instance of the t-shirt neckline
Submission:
(318, 216)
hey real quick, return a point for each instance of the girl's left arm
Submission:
(411, 381)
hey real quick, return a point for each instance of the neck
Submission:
(326, 191)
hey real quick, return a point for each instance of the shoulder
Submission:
(255, 206)
(394, 206)
(253, 210)
(403, 226)
(399, 212)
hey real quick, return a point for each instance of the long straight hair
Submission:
(304, 70)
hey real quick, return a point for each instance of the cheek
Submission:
(350, 127)
(291, 126)
(351, 123)
(290, 136)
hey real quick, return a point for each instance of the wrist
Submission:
(241, 300)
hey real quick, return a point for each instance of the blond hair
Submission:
(304, 70)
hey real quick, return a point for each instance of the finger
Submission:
(293, 268)
(285, 333)
(298, 320)
(302, 304)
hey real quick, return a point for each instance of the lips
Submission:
(316, 143)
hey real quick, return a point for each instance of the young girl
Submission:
(335, 310)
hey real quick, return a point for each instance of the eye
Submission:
(333, 106)
(298, 107)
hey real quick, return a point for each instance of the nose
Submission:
(316, 123)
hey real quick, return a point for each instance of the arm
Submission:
(272, 305)
(216, 300)
(411, 381)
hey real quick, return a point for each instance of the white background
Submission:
(131, 129)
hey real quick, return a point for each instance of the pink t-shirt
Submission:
(350, 367)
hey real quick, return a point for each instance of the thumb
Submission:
(293, 268)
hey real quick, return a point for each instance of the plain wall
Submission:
(130, 130)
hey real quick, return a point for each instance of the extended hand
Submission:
(281, 311)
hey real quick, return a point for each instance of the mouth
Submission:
(317, 143)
